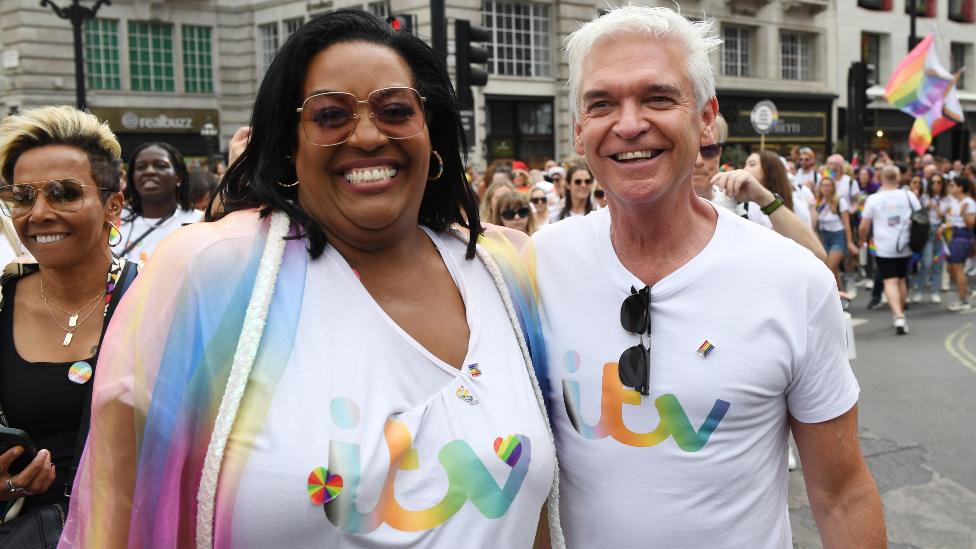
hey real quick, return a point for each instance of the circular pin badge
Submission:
(80, 372)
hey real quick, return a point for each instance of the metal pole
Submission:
(77, 15)
(438, 28)
(912, 9)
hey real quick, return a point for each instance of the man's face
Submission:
(640, 128)
(807, 160)
(705, 170)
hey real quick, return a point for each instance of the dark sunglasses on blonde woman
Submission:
(538, 200)
(582, 181)
(509, 215)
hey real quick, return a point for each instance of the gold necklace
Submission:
(73, 322)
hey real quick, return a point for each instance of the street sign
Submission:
(764, 117)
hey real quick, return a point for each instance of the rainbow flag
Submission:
(705, 349)
(920, 81)
(942, 116)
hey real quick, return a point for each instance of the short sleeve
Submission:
(843, 204)
(823, 385)
(869, 208)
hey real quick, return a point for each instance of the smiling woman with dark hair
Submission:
(157, 199)
(343, 359)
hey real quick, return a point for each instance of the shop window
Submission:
(737, 51)
(292, 25)
(872, 45)
(963, 11)
(379, 9)
(520, 38)
(796, 56)
(151, 56)
(102, 54)
(197, 59)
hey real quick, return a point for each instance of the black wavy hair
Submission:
(132, 200)
(252, 181)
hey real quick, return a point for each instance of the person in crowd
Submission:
(61, 171)
(768, 169)
(845, 185)
(807, 173)
(540, 206)
(866, 180)
(521, 180)
(960, 216)
(203, 183)
(495, 191)
(157, 200)
(351, 226)
(929, 276)
(599, 196)
(515, 212)
(557, 176)
(887, 214)
(915, 186)
(578, 198)
(709, 160)
(833, 220)
(641, 418)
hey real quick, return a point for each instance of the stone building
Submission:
(165, 69)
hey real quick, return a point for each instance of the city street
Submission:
(916, 426)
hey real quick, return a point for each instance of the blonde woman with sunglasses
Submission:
(60, 169)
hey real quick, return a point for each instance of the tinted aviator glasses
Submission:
(634, 366)
(329, 118)
(63, 195)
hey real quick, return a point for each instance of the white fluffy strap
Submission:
(247, 349)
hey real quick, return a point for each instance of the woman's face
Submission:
(497, 195)
(539, 203)
(827, 189)
(519, 215)
(63, 239)
(155, 177)
(863, 177)
(580, 185)
(915, 185)
(754, 167)
(367, 190)
(955, 190)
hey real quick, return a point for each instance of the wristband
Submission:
(774, 205)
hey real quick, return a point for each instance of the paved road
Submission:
(917, 426)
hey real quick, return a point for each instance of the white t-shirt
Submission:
(830, 221)
(701, 462)
(801, 207)
(412, 438)
(132, 230)
(935, 206)
(956, 210)
(847, 189)
(806, 178)
(891, 213)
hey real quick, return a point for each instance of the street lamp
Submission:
(209, 132)
(77, 14)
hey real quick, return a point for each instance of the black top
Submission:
(39, 398)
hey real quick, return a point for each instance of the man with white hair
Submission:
(728, 335)
(806, 172)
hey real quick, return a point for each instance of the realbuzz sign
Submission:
(133, 121)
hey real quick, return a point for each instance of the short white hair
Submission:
(696, 38)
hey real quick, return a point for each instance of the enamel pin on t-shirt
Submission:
(464, 394)
(705, 349)
(474, 370)
(80, 372)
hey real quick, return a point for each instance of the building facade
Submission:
(172, 69)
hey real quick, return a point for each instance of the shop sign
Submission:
(157, 120)
(811, 126)
(764, 117)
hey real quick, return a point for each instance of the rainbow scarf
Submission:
(164, 365)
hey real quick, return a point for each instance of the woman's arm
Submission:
(846, 219)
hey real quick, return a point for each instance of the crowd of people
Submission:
(300, 345)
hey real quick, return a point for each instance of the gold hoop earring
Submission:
(440, 166)
(288, 185)
(114, 235)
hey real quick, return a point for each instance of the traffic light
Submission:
(467, 50)
(402, 23)
(860, 77)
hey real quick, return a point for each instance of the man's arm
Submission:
(843, 495)
(862, 230)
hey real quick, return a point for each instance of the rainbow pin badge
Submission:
(705, 349)
(474, 370)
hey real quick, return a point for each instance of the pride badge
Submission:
(705, 349)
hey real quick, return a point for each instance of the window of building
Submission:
(197, 60)
(963, 11)
(102, 54)
(268, 34)
(796, 61)
(736, 51)
(520, 38)
(880, 5)
(379, 9)
(923, 8)
(871, 54)
(958, 55)
(291, 25)
(151, 56)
